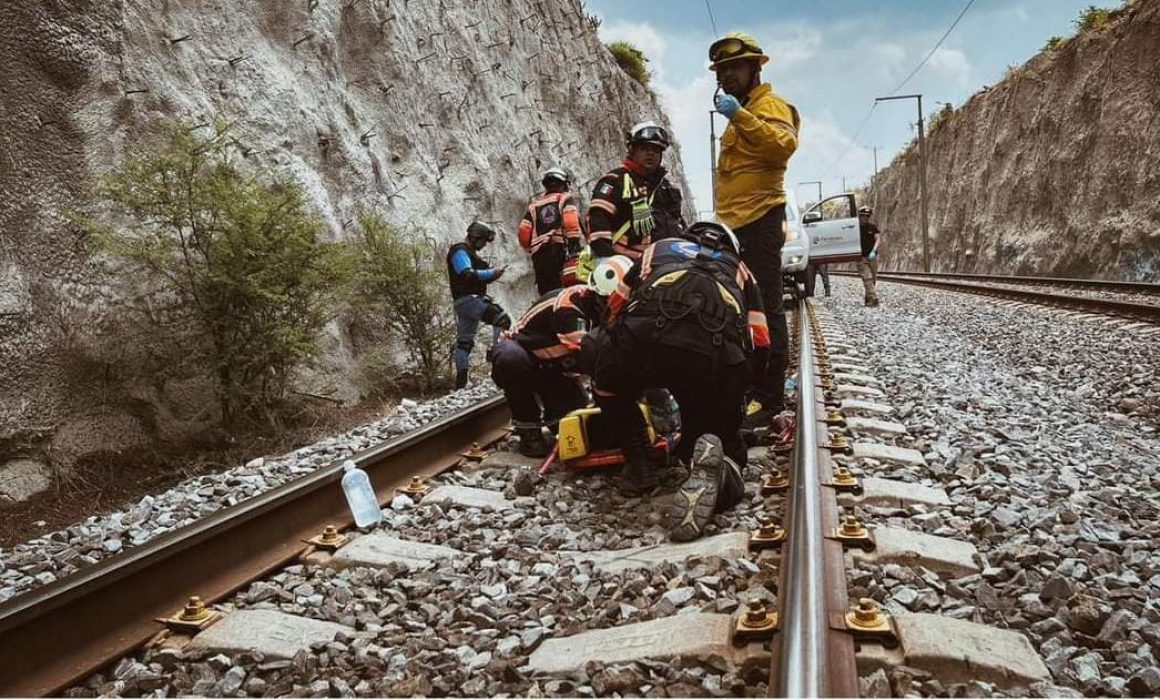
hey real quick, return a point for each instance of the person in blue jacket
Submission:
(469, 276)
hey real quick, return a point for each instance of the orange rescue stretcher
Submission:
(583, 442)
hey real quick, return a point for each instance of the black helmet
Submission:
(713, 235)
(478, 229)
(865, 210)
(649, 132)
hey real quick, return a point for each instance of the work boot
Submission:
(532, 440)
(696, 501)
(461, 379)
(639, 475)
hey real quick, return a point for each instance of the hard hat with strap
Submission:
(735, 46)
(649, 132)
(555, 173)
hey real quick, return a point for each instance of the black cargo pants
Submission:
(761, 242)
(524, 379)
(711, 397)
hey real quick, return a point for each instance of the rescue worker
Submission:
(687, 317)
(750, 196)
(469, 276)
(634, 204)
(868, 265)
(538, 360)
(550, 230)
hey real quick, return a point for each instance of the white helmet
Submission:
(648, 132)
(555, 173)
(608, 274)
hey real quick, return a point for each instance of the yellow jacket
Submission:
(755, 151)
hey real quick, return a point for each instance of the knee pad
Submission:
(494, 315)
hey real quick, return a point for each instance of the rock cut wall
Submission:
(435, 111)
(1053, 171)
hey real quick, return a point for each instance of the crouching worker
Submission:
(537, 363)
(469, 276)
(687, 317)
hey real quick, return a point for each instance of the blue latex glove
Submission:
(873, 255)
(727, 104)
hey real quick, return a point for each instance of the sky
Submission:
(830, 59)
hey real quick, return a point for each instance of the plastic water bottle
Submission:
(360, 496)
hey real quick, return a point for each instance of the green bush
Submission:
(398, 289)
(1054, 43)
(234, 259)
(631, 61)
(940, 117)
(1093, 18)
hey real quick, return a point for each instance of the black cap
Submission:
(478, 229)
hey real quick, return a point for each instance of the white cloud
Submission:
(792, 47)
(688, 109)
(644, 37)
(953, 64)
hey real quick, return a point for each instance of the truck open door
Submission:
(832, 228)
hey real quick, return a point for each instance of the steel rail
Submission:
(1105, 285)
(811, 659)
(1149, 313)
(57, 635)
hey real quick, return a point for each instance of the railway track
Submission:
(1024, 289)
(532, 570)
(59, 633)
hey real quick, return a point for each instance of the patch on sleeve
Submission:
(605, 189)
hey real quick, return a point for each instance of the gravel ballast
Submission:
(1041, 427)
(43, 560)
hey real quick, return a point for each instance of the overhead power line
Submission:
(711, 20)
(853, 140)
(940, 41)
(898, 87)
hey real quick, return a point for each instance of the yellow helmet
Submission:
(735, 46)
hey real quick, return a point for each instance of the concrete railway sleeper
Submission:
(490, 579)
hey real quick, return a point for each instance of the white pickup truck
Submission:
(825, 233)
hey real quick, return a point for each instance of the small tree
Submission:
(1054, 43)
(1092, 18)
(631, 60)
(396, 285)
(234, 258)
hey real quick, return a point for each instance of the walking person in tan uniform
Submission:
(868, 265)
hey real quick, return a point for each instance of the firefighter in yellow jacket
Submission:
(750, 195)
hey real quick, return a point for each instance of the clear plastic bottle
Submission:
(360, 496)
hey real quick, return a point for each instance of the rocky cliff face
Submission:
(435, 111)
(1053, 171)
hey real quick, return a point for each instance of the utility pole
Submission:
(713, 156)
(922, 175)
(813, 182)
(875, 161)
(843, 183)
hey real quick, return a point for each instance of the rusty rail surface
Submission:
(1102, 285)
(57, 635)
(1149, 313)
(812, 658)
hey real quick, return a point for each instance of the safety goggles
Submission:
(651, 134)
(730, 48)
